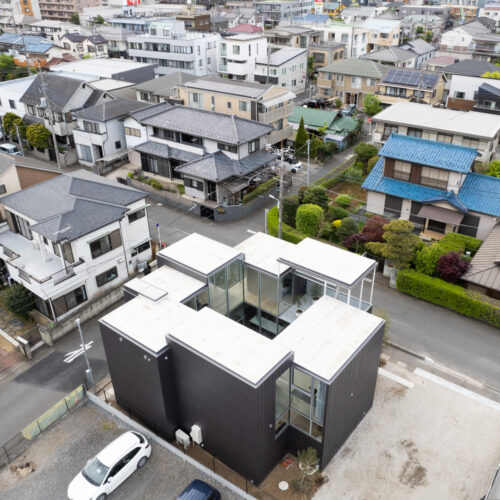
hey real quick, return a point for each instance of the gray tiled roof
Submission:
(230, 129)
(144, 113)
(164, 151)
(233, 87)
(72, 205)
(218, 166)
(390, 55)
(470, 67)
(111, 110)
(77, 38)
(164, 85)
(356, 67)
(418, 46)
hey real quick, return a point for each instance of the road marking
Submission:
(72, 355)
(457, 388)
(251, 232)
(396, 378)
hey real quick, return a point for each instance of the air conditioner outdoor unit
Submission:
(182, 438)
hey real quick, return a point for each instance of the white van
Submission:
(9, 148)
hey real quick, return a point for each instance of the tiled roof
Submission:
(356, 67)
(29, 43)
(470, 67)
(481, 193)
(164, 85)
(281, 56)
(390, 54)
(111, 110)
(245, 28)
(313, 118)
(427, 152)
(165, 151)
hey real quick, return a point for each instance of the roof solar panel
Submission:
(410, 78)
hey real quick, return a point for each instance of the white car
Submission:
(110, 467)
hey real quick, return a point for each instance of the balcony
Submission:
(277, 136)
(276, 114)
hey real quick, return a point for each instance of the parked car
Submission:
(293, 165)
(12, 149)
(349, 110)
(110, 467)
(199, 490)
(316, 102)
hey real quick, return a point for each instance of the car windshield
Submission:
(95, 472)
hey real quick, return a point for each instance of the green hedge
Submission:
(446, 294)
(456, 242)
(288, 233)
(262, 189)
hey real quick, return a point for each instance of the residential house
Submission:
(483, 275)
(360, 14)
(292, 36)
(29, 49)
(219, 157)
(325, 53)
(11, 92)
(407, 85)
(393, 56)
(72, 237)
(474, 40)
(353, 36)
(51, 99)
(350, 80)
(116, 39)
(431, 23)
(492, 12)
(85, 45)
(236, 55)
(172, 47)
(474, 93)
(254, 101)
(424, 51)
(249, 29)
(164, 88)
(53, 30)
(196, 21)
(382, 33)
(488, 98)
(214, 316)
(59, 10)
(100, 135)
(462, 128)
(285, 68)
(281, 12)
(432, 184)
(437, 63)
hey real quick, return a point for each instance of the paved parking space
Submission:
(59, 454)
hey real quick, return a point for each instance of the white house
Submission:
(236, 55)
(466, 87)
(284, 68)
(100, 135)
(353, 36)
(68, 239)
(85, 45)
(54, 30)
(11, 92)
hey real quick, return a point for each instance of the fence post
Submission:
(38, 423)
(66, 403)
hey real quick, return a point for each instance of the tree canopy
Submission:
(10, 120)
(38, 136)
(74, 18)
(371, 104)
(301, 138)
(494, 169)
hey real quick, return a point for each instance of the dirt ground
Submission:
(353, 190)
(424, 442)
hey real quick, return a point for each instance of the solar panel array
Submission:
(411, 78)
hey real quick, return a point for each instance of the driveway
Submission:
(59, 454)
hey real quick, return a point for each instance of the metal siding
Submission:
(344, 412)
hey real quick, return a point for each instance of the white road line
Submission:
(251, 232)
(396, 378)
(457, 388)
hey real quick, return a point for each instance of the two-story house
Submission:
(254, 101)
(354, 36)
(325, 53)
(432, 184)
(408, 85)
(382, 33)
(69, 238)
(292, 36)
(217, 156)
(85, 45)
(350, 80)
(393, 56)
(11, 92)
(422, 49)
(100, 136)
(163, 88)
(463, 128)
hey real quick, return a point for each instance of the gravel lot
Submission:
(59, 454)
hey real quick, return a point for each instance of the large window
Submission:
(85, 153)
(18, 225)
(227, 147)
(90, 127)
(282, 408)
(414, 132)
(402, 170)
(70, 300)
(106, 276)
(253, 146)
(105, 244)
(193, 183)
(140, 248)
(434, 177)
(388, 130)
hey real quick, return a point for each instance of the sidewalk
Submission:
(12, 326)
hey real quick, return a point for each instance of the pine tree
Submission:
(301, 139)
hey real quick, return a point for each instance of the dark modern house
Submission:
(253, 351)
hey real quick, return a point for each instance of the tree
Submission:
(310, 68)
(451, 266)
(400, 243)
(371, 163)
(347, 227)
(419, 30)
(317, 196)
(494, 169)
(371, 104)
(314, 146)
(10, 120)
(38, 136)
(74, 18)
(427, 258)
(19, 300)
(301, 138)
(309, 465)
(7, 65)
(290, 206)
(344, 200)
(429, 35)
(374, 228)
(365, 151)
(309, 218)
(338, 102)
(98, 20)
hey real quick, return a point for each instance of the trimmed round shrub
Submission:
(309, 218)
(337, 213)
(344, 200)
(316, 195)
(427, 258)
(19, 300)
(290, 206)
(326, 231)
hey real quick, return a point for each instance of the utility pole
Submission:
(88, 371)
(19, 139)
(280, 198)
(268, 57)
(308, 158)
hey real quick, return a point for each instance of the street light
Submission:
(159, 236)
(88, 371)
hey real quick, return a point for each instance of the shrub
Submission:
(455, 242)
(338, 103)
(155, 184)
(260, 190)
(290, 206)
(371, 163)
(288, 233)
(326, 149)
(353, 175)
(448, 295)
(181, 188)
(316, 195)
(130, 175)
(451, 266)
(326, 231)
(494, 168)
(301, 138)
(365, 152)
(427, 258)
(336, 213)
(371, 104)
(300, 193)
(19, 300)
(356, 240)
(400, 243)
(309, 218)
(343, 200)
(374, 228)
(347, 227)
(337, 222)
(329, 183)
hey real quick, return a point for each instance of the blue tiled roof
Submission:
(31, 43)
(479, 193)
(431, 153)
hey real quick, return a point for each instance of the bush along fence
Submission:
(288, 233)
(446, 294)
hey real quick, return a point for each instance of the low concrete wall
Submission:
(234, 213)
(50, 334)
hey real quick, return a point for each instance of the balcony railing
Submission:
(276, 114)
(280, 135)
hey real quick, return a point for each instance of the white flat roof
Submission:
(235, 347)
(148, 322)
(325, 336)
(469, 123)
(262, 251)
(105, 68)
(331, 263)
(200, 253)
(110, 84)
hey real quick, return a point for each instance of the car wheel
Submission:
(294, 171)
(101, 497)
(142, 462)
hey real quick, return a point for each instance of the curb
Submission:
(407, 351)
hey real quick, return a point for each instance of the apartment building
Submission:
(292, 36)
(116, 40)
(236, 55)
(285, 68)
(254, 101)
(325, 53)
(281, 12)
(12, 11)
(462, 128)
(350, 80)
(56, 247)
(61, 10)
(382, 33)
(172, 47)
(53, 30)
